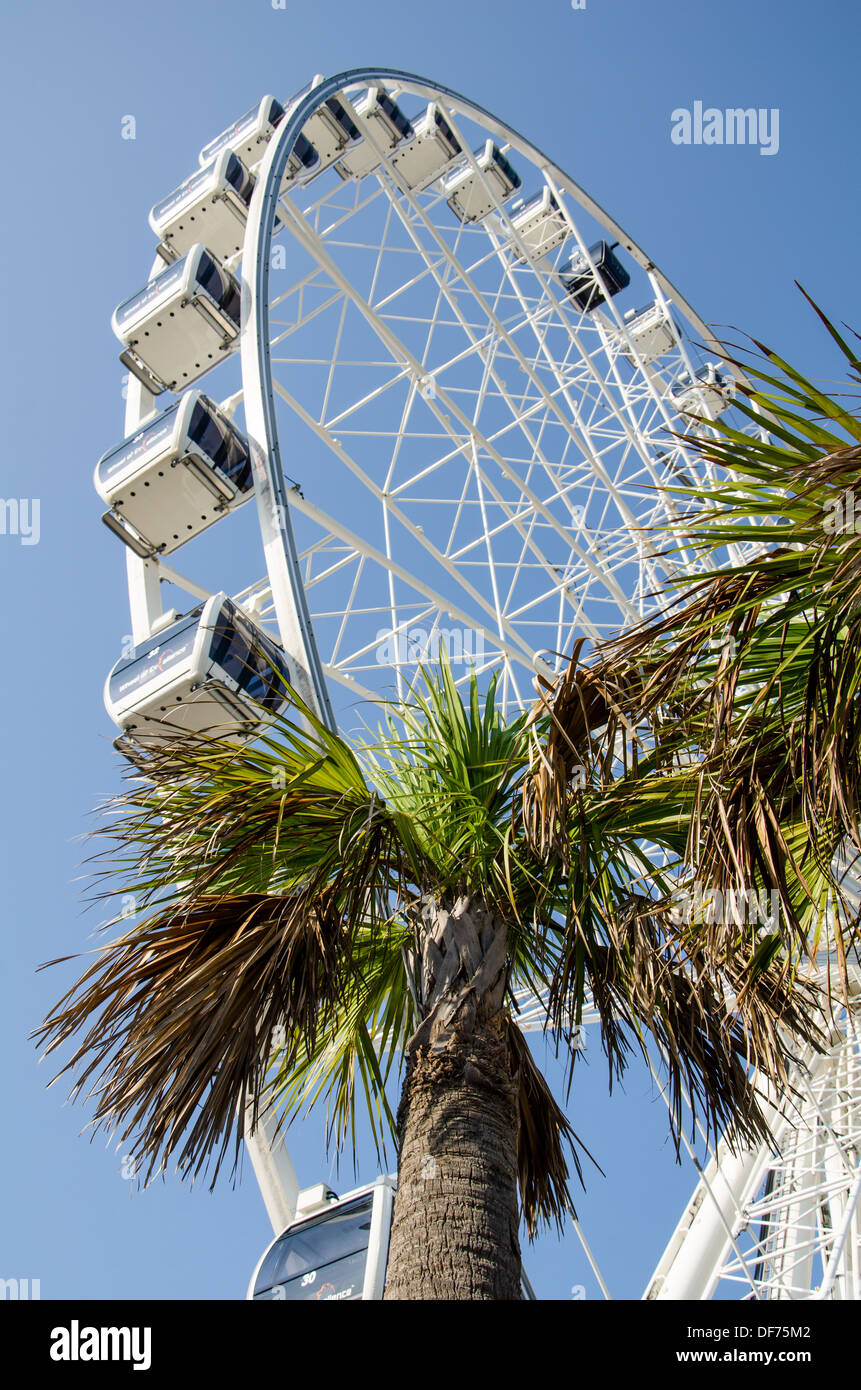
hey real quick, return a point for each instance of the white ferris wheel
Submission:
(448, 387)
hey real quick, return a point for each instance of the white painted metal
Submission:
(211, 206)
(317, 1200)
(540, 225)
(430, 153)
(177, 327)
(273, 1169)
(782, 1225)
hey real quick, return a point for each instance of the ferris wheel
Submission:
(443, 392)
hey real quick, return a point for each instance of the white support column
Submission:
(143, 579)
(274, 1171)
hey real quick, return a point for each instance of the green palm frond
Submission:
(259, 864)
(747, 678)
(364, 1046)
(545, 1143)
(185, 1008)
(449, 773)
(282, 887)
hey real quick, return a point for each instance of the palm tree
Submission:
(355, 911)
(750, 676)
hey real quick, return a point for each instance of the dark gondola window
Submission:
(239, 179)
(395, 115)
(348, 126)
(322, 1258)
(220, 285)
(243, 658)
(447, 132)
(505, 167)
(274, 113)
(227, 451)
(210, 277)
(305, 152)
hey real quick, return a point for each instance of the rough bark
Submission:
(455, 1228)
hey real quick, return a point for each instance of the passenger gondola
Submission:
(587, 287)
(179, 473)
(249, 136)
(183, 322)
(431, 152)
(212, 671)
(331, 130)
(473, 193)
(325, 137)
(211, 206)
(383, 127)
(540, 226)
(335, 1250)
(651, 331)
(709, 392)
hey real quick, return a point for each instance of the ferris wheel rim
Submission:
(255, 340)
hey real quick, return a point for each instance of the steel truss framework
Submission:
(785, 1224)
(449, 456)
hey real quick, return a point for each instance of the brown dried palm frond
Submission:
(682, 650)
(174, 1020)
(580, 727)
(713, 1023)
(749, 677)
(544, 1136)
(258, 867)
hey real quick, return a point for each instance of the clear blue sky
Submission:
(594, 88)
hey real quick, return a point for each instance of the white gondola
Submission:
(213, 670)
(587, 287)
(431, 152)
(183, 322)
(336, 1250)
(472, 193)
(324, 138)
(383, 127)
(178, 474)
(249, 136)
(540, 226)
(331, 130)
(211, 206)
(651, 331)
(303, 160)
(708, 393)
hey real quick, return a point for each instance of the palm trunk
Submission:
(454, 1234)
